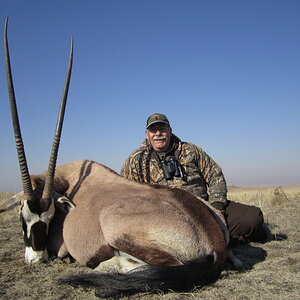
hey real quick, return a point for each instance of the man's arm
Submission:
(129, 169)
(213, 175)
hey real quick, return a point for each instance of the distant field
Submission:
(272, 270)
(264, 197)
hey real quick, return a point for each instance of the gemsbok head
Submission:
(37, 202)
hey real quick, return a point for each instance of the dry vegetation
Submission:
(272, 270)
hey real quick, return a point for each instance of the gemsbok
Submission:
(139, 237)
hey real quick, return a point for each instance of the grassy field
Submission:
(271, 270)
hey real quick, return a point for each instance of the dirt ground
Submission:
(272, 270)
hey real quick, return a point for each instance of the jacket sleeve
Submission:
(130, 170)
(214, 178)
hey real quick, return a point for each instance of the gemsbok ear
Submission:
(63, 203)
(11, 203)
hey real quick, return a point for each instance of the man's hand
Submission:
(220, 206)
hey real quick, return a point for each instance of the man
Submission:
(164, 159)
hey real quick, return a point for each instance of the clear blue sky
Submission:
(226, 73)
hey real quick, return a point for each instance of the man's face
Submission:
(159, 136)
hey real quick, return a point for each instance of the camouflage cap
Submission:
(157, 118)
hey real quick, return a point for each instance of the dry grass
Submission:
(272, 270)
(264, 197)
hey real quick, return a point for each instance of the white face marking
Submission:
(48, 215)
(32, 257)
(30, 218)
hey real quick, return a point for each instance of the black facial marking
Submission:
(38, 236)
(24, 227)
(40, 206)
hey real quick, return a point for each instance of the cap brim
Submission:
(157, 121)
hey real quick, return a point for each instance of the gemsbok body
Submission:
(138, 236)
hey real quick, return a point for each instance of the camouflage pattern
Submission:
(202, 176)
(157, 118)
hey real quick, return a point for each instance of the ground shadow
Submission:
(251, 255)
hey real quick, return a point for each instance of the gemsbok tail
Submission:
(147, 279)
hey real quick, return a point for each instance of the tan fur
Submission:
(156, 224)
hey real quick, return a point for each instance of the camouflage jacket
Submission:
(201, 176)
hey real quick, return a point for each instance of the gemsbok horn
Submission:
(38, 211)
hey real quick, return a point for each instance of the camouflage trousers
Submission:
(244, 222)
